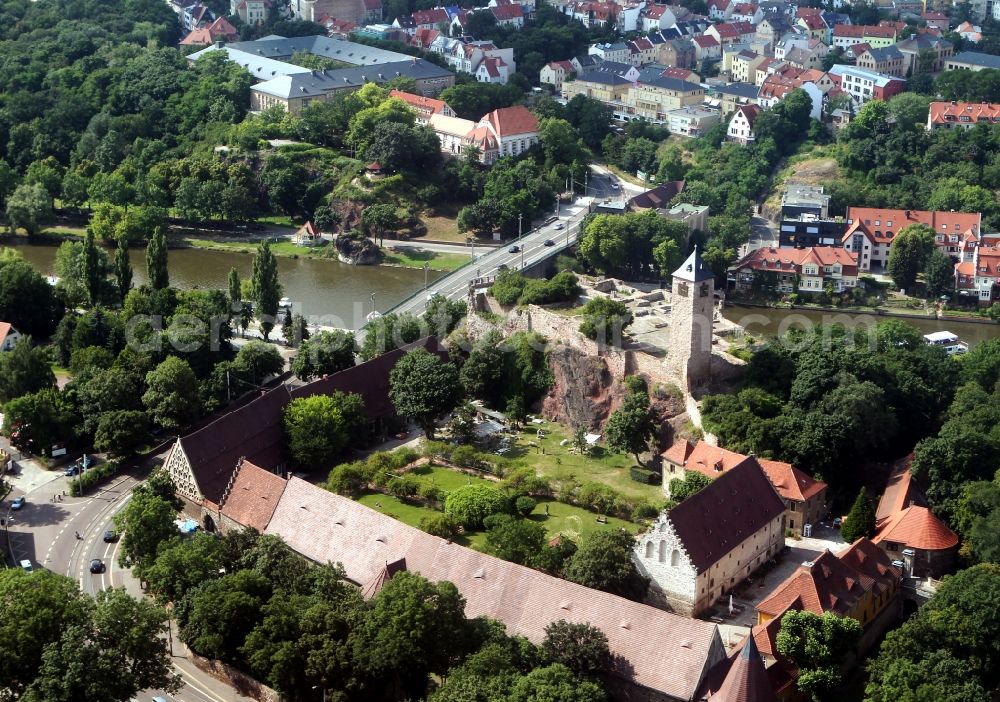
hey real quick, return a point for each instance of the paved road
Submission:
(480, 247)
(44, 532)
(762, 234)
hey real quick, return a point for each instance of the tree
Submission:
(27, 207)
(604, 562)
(216, 617)
(422, 388)
(555, 683)
(24, 369)
(471, 504)
(692, 482)
(295, 330)
(235, 290)
(860, 520)
(119, 651)
(443, 315)
(93, 273)
(605, 320)
(908, 254)
(939, 273)
(817, 645)
(583, 648)
(35, 608)
(376, 220)
(388, 332)
(120, 433)
(319, 427)
(171, 397)
(182, 564)
(515, 540)
(145, 522)
(326, 353)
(27, 301)
(258, 360)
(156, 261)
(264, 286)
(123, 270)
(630, 427)
(39, 420)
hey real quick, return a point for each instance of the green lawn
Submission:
(280, 248)
(561, 463)
(63, 232)
(416, 258)
(282, 220)
(572, 521)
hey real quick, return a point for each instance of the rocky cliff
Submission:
(584, 392)
(357, 252)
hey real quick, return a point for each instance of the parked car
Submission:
(72, 469)
(18, 503)
(110, 536)
(614, 186)
(97, 566)
(837, 521)
(514, 249)
(549, 242)
(26, 565)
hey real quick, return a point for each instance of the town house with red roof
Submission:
(979, 275)
(555, 72)
(732, 32)
(740, 128)
(803, 495)
(9, 336)
(963, 115)
(425, 107)
(813, 269)
(707, 545)
(870, 231)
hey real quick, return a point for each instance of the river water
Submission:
(763, 321)
(326, 291)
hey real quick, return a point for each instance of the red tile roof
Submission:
(566, 66)
(964, 112)
(790, 482)
(252, 495)
(706, 41)
(509, 121)
(900, 491)
(826, 584)
(5, 328)
(660, 651)
(726, 512)
(813, 22)
(750, 113)
(891, 222)
(507, 12)
(657, 197)
(916, 527)
(424, 105)
(873, 563)
(434, 16)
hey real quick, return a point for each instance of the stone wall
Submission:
(240, 681)
(660, 556)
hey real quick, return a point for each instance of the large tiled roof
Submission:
(252, 495)
(790, 482)
(916, 527)
(823, 585)
(509, 121)
(747, 679)
(422, 104)
(726, 512)
(900, 491)
(964, 112)
(873, 563)
(658, 197)
(659, 650)
(253, 430)
(881, 223)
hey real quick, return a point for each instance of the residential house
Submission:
(691, 121)
(938, 20)
(681, 74)
(430, 19)
(508, 15)
(810, 230)
(657, 17)
(972, 60)
(252, 12)
(508, 131)
(492, 69)
(888, 60)
(864, 85)
(425, 107)
(746, 12)
(219, 30)
(922, 45)
(804, 497)
(618, 52)
(720, 10)
(741, 124)
(805, 270)
(641, 51)
(651, 98)
(424, 38)
(604, 86)
(555, 72)
(963, 115)
(676, 52)
(711, 542)
(814, 25)
(907, 530)
(707, 48)
(870, 231)
(804, 59)
(801, 199)
(327, 528)
(735, 95)
(656, 198)
(196, 16)
(772, 28)
(789, 41)
(9, 336)
(694, 216)
(776, 86)
(980, 276)
(307, 235)
(732, 32)
(846, 35)
(969, 32)
(452, 131)
(372, 11)
(860, 582)
(743, 66)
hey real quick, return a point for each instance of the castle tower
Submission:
(689, 352)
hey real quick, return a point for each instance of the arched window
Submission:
(675, 558)
(663, 527)
(649, 549)
(663, 552)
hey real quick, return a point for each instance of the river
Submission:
(763, 321)
(326, 291)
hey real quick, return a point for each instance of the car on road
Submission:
(837, 521)
(18, 503)
(614, 186)
(549, 242)
(71, 470)
(559, 226)
(26, 565)
(97, 566)
(514, 249)
(110, 536)
(502, 267)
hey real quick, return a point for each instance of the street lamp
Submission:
(317, 687)
(373, 303)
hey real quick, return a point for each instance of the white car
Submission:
(559, 226)
(614, 186)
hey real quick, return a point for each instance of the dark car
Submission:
(97, 566)
(549, 242)
(514, 249)
(73, 469)
(502, 267)
(18, 503)
(110, 536)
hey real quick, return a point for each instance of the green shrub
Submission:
(431, 492)
(471, 504)
(525, 504)
(441, 525)
(402, 487)
(90, 478)
(467, 457)
(641, 475)
(644, 510)
(348, 479)
(524, 480)
(492, 521)
(599, 497)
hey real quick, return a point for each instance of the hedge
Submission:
(641, 475)
(93, 476)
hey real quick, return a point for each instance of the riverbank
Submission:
(878, 311)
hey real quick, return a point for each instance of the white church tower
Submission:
(689, 352)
